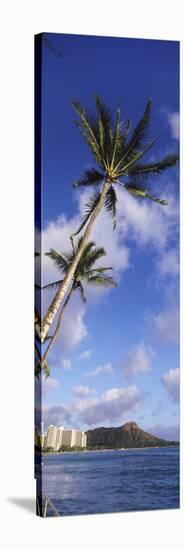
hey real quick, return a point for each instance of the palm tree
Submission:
(117, 155)
(85, 272)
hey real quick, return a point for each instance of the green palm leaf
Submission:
(86, 270)
(81, 292)
(90, 177)
(59, 261)
(105, 123)
(53, 286)
(89, 128)
(90, 206)
(144, 194)
(155, 167)
(102, 280)
(140, 132)
(110, 203)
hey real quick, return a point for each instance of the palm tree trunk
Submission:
(52, 310)
(57, 327)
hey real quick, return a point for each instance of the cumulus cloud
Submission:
(73, 330)
(146, 222)
(111, 406)
(171, 381)
(138, 359)
(80, 391)
(166, 324)
(168, 263)
(108, 368)
(57, 415)
(85, 354)
(174, 122)
(60, 362)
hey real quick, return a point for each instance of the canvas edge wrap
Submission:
(38, 41)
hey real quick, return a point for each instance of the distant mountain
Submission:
(127, 436)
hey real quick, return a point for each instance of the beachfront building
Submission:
(59, 437)
(51, 439)
(59, 441)
(69, 438)
(80, 438)
(83, 439)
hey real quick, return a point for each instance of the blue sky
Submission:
(116, 359)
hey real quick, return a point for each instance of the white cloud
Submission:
(174, 122)
(66, 364)
(166, 324)
(50, 384)
(85, 354)
(171, 381)
(80, 391)
(59, 362)
(110, 406)
(168, 263)
(56, 415)
(73, 329)
(108, 368)
(138, 359)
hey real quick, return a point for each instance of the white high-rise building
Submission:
(68, 439)
(83, 439)
(59, 437)
(59, 441)
(78, 438)
(51, 439)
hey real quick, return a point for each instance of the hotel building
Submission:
(51, 439)
(58, 437)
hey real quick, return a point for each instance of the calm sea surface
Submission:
(112, 481)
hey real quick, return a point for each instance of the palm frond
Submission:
(38, 371)
(137, 140)
(98, 270)
(59, 261)
(91, 258)
(88, 126)
(102, 280)
(90, 206)
(155, 167)
(52, 286)
(81, 292)
(132, 159)
(144, 194)
(105, 124)
(90, 177)
(110, 203)
(46, 370)
(140, 132)
(120, 147)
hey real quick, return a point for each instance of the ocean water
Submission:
(112, 481)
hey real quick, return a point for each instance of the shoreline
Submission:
(110, 450)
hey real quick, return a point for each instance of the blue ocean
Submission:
(112, 481)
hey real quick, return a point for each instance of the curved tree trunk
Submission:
(42, 361)
(52, 310)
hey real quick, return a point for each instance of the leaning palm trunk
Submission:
(42, 361)
(53, 309)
